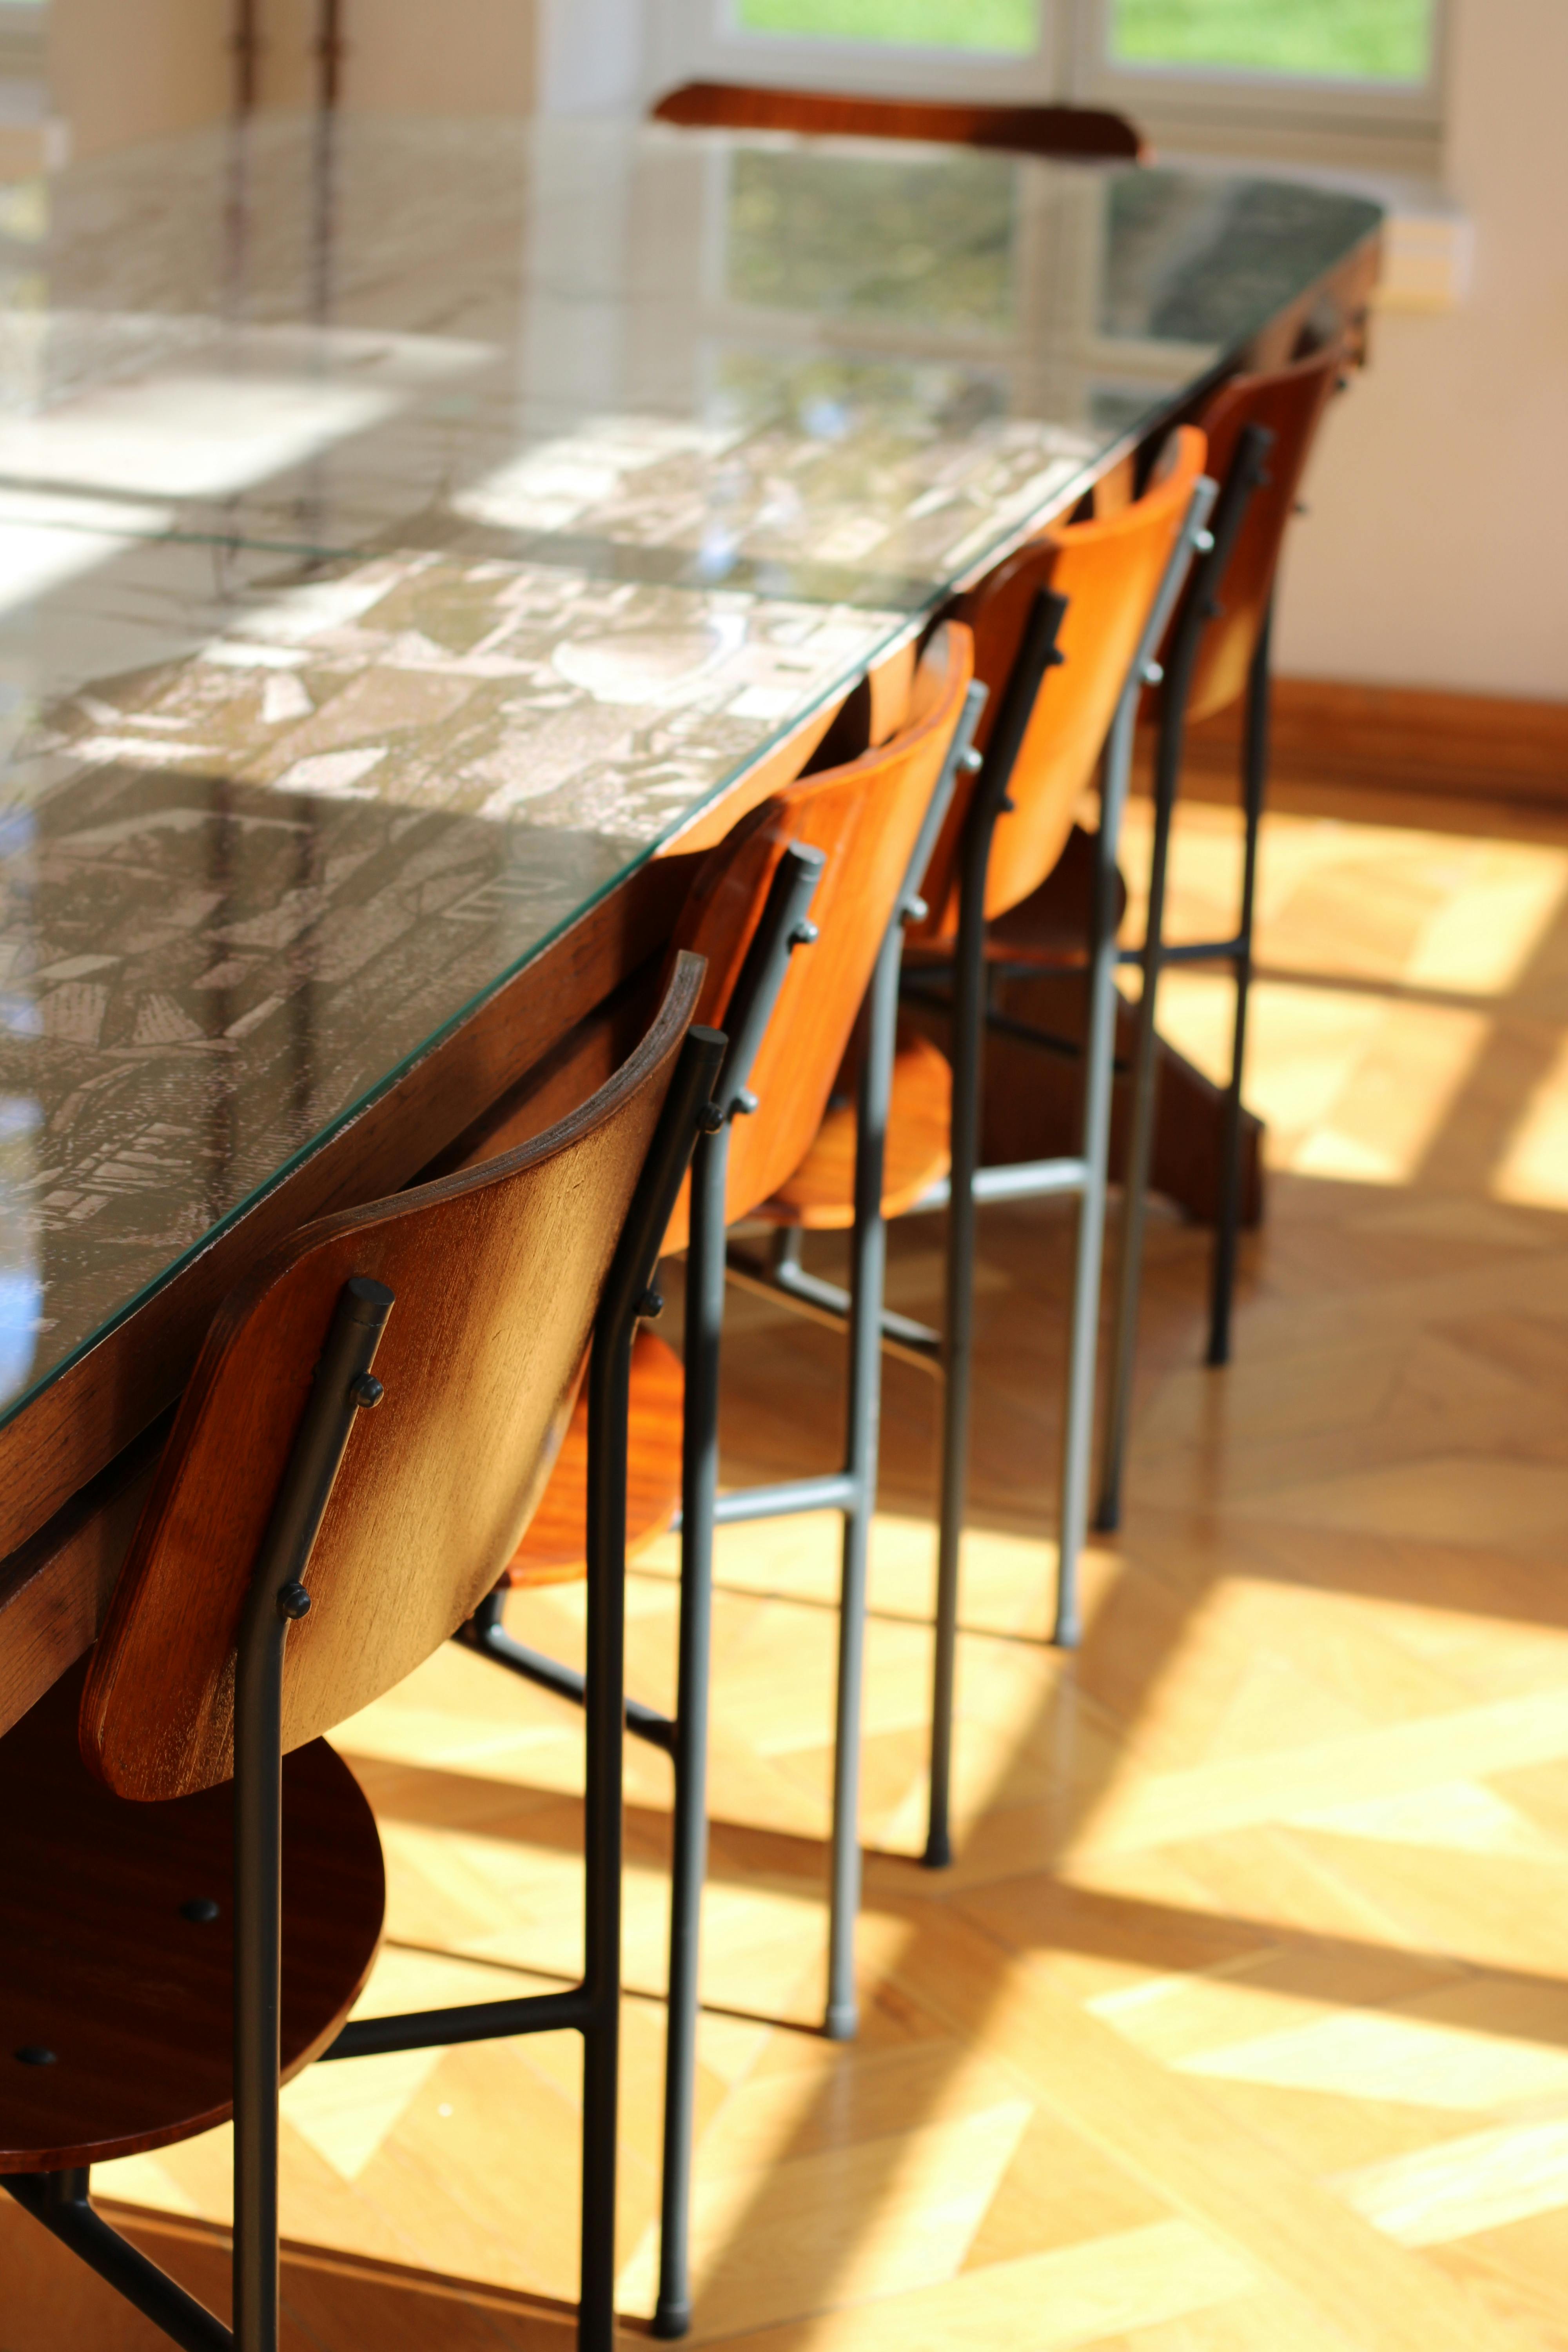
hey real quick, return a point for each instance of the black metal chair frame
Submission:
(343, 1387)
(1247, 475)
(852, 1491)
(963, 991)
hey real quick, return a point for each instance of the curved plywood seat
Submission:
(793, 1161)
(1289, 403)
(819, 1197)
(1051, 927)
(1109, 570)
(555, 1549)
(116, 1967)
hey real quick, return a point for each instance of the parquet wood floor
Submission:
(1242, 2018)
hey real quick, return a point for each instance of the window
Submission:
(1350, 40)
(1005, 27)
(1335, 79)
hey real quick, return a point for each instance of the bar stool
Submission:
(987, 905)
(848, 843)
(300, 1553)
(1260, 432)
(1085, 132)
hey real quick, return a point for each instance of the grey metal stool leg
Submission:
(783, 929)
(1255, 778)
(1035, 655)
(868, 1260)
(1140, 1142)
(1100, 1057)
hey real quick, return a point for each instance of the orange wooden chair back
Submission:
(497, 1274)
(865, 817)
(1289, 402)
(1087, 132)
(1109, 571)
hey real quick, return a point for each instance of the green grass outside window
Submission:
(1373, 40)
(1004, 24)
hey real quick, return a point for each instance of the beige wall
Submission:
(1436, 550)
(126, 70)
(120, 71)
(439, 56)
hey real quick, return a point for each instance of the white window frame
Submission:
(704, 40)
(1183, 108)
(1236, 106)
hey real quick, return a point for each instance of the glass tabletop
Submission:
(406, 526)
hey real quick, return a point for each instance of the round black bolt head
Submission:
(650, 1306)
(33, 2053)
(201, 1910)
(366, 1390)
(293, 1602)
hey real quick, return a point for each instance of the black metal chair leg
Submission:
(958, 1320)
(698, 1484)
(277, 1599)
(1141, 1140)
(1246, 473)
(609, 1416)
(601, 1845)
(1035, 655)
(1255, 780)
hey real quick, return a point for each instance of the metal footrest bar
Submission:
(566, 1682)
(1189, 951)
(476, 2021)
(1046, 1041)
(1025, 1180)
(836, 1492)
(60, 2201)
(795, 1283)
(825, 1303)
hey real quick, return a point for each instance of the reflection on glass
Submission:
(1009, 25)
(875, 238)
(1350, 40)
(395, 572)
(1190, 260)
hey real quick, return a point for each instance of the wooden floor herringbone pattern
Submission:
(1242, 2017)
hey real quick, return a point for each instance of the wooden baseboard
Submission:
(1399, 738)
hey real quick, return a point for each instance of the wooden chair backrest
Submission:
(1289, 402)
(1086, 131)
(496, 1273)
(1109, 571)
(865, 817)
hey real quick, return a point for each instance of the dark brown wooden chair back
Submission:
(865, 817)
(497, 1274)
(1289, 402)
(1086, 133)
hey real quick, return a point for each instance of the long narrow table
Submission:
(416, 539)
